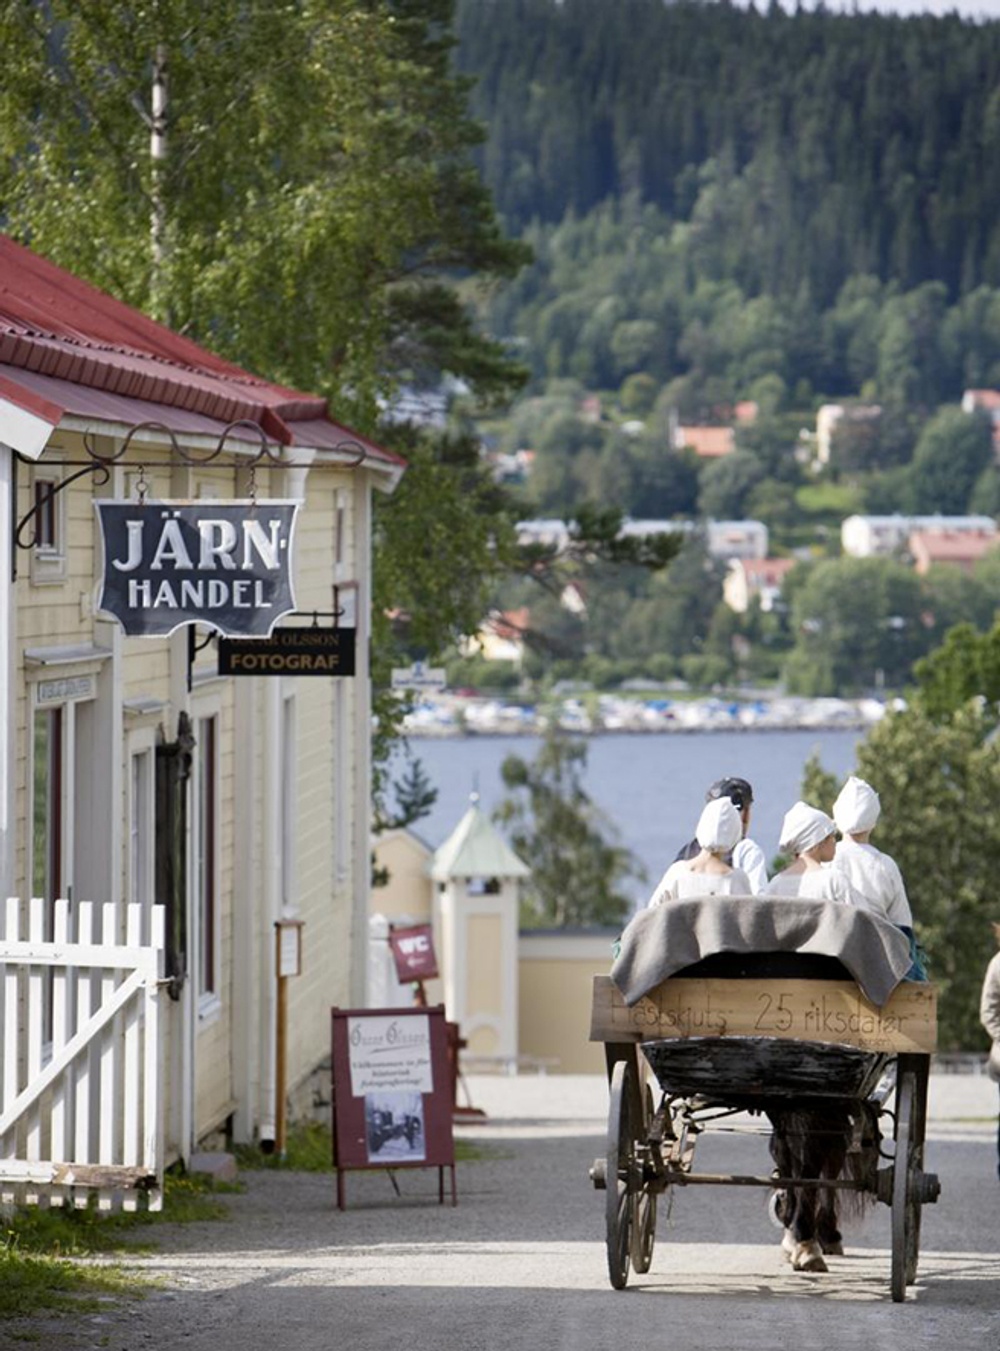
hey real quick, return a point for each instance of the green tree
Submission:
(938, 783)
(577, 871)
(726, 484)
(857, 624)
(965, 667)
(299, 220)
(311, 225)
(819, 786)
(950, 456)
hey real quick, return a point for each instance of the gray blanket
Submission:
(658, 943)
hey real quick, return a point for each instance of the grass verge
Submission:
(39, 1248)
(309, 1149)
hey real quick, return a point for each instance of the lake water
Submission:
(651, 788)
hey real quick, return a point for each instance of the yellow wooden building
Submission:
(521, 998)
(130, 768)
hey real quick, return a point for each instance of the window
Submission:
(206, 779)
(46, 538)
(47, 762)
(141, 827)
(48, 562)
(288, 804)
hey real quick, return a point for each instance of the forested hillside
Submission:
(804, 148)
(716, 195)
(739, 209)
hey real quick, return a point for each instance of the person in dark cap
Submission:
(747, 854)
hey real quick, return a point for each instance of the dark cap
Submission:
(738, 791)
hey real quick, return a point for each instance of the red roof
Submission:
(67, 348)
(766, 571)
(708, 442)
(951, 546)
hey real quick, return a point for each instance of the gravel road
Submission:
(520, 1262)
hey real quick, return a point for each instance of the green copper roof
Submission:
(475, 848)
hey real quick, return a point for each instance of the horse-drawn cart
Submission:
(770, 1033)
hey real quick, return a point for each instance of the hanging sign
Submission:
(290, 651)
(225, 564)
(413, 953)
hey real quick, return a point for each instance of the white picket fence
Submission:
(80, 1110)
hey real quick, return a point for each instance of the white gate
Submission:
(80, 1044)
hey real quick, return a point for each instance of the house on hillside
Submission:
(501, 637)
(985, 401)
(835, 420)
(708, 443)
(133, 768)
(750, 578)
(954, 548)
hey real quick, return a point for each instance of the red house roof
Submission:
(68, 349)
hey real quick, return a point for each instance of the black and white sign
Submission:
(226, 564)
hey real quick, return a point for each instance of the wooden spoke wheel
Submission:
(643, 1205)
(907, 1186)
(620, 1177)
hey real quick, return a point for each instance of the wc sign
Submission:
(227, 564)
(413, 952)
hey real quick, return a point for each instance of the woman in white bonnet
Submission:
(810, 835)
(856, 812)
(708, 873)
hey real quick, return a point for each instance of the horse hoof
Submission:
(788, 1245)
(808, 1257)
(832, 1247)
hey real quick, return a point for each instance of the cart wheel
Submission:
(906, 1189)
(620, 1173)
(644, 1206)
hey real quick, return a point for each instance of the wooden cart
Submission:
(710, 1042)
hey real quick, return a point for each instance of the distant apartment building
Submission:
(879, 536)
(724, 539)
(750, 578)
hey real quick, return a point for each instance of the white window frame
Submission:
(48, 561)
(140, 795)
(209, 1000)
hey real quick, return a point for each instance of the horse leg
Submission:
(837, 1130)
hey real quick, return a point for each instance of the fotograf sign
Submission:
(227, 564)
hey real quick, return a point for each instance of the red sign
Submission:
(413, 951)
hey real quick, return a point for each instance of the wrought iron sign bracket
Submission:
(101, 465)
(194, 647)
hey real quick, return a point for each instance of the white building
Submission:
(880, 536)
(724, 539)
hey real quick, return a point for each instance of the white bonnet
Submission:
(803, 828)
(719, 826)
(857, 807)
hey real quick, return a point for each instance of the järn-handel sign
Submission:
(227, 564)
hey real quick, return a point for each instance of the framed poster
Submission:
(392, 1092)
